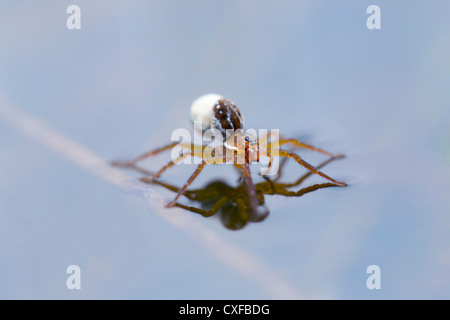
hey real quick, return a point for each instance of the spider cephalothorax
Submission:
(214, 112)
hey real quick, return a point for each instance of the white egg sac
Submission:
(202, 110)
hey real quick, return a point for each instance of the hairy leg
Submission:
(308, 166)
(190, 180)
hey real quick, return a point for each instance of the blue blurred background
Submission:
(122, 83)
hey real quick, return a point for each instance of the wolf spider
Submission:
(213, 111)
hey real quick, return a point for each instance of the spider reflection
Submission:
(232, 204)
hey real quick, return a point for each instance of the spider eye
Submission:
(247, 139)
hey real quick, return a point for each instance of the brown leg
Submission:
(245, 168)
(167, 166)
(216, 207)
(308, 166)
(302, 178)
(279, 173)
(195, 149)
(132, 162)
(270, 184)
(306, 190)
(190, 180)
(307, 146)
(139, 169)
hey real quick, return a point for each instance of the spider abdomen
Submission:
(212, 111)
(226, 116)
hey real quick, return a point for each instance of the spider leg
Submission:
(269, 166)
(271, 185)
(301, 192)
(143, 156)
(132, 162)
(167, 166)
(302, 178)
(216, 207)
(170, 187)
(280, 168)
(308, 166)
(137, 169)
(190, 180)
(245, 168)
(306, 146)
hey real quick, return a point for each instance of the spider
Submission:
(232, 203)
(213, 111)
